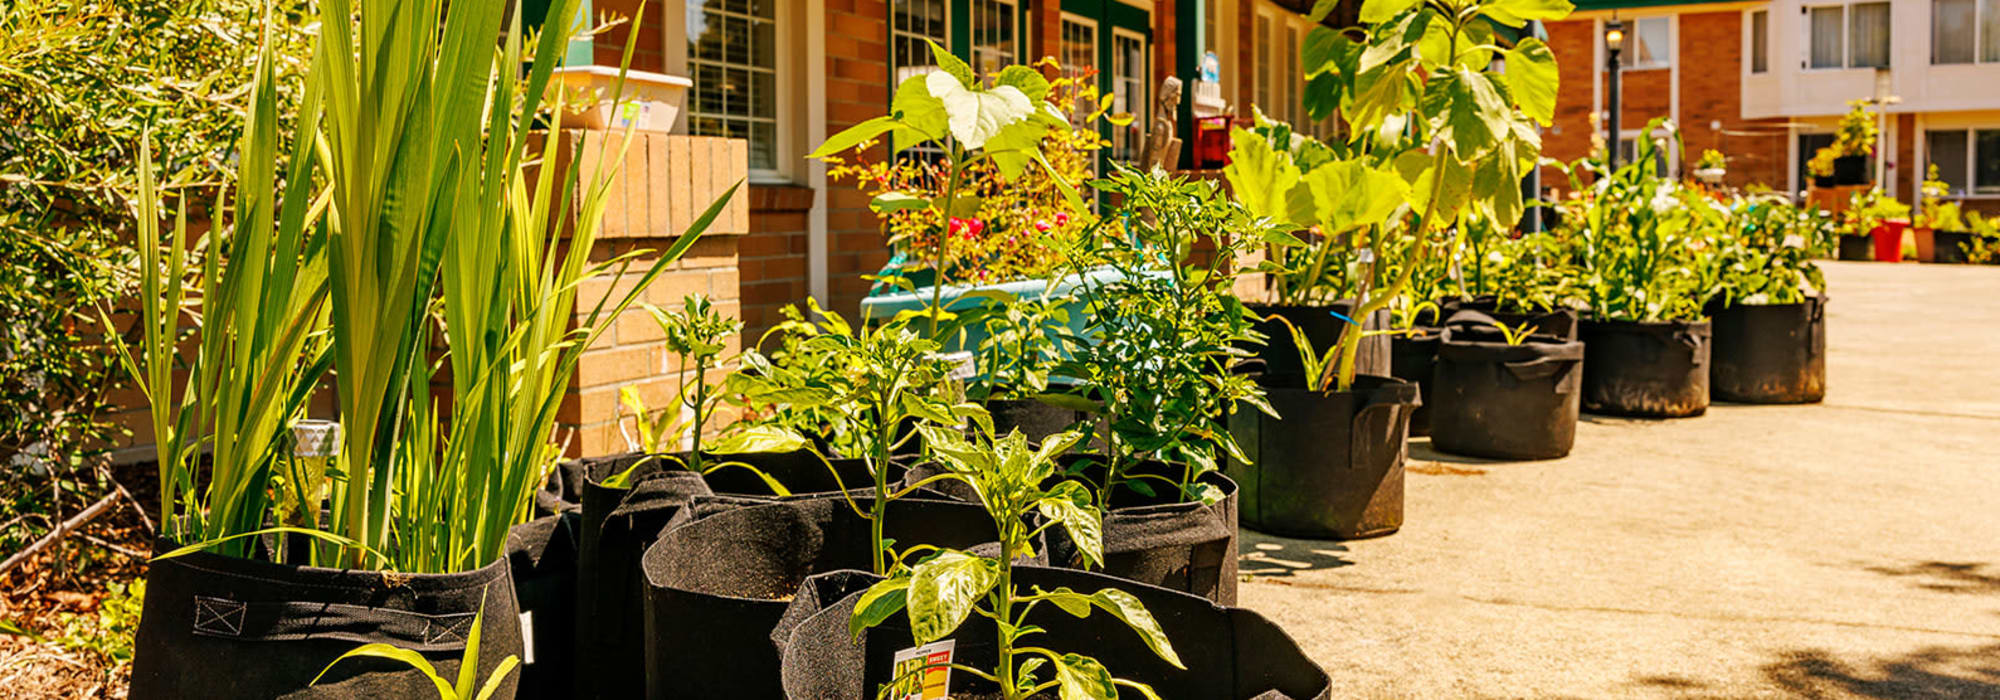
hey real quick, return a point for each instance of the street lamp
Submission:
(1614, 41)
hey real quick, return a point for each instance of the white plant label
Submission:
(527, 637)
(923, 673)
(963, 366)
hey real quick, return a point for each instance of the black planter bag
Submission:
(1036, 420)
(1504, 401)
(216, 628)
(1230, 653)
(1560, 323)
(1850, 170)
(1949, 246)
(1770, 353)
(722, 575)
(1413, 356)
(1857, 247)
(1332, 468)
(1322, 329)
(541, 555)
(562, 489)
(1158, 539)
(1651, 369)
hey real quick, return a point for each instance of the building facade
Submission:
(1766, 82)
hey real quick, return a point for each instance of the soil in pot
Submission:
(1770, 353)
(1151, 533)
(1230, 653)
(1413, 356)
(1332, 466)
(1322, 328)
(1857, 247)
(1560, 323)
(1504, 401)
(1647, 369)
(218, 628)
(723, 574)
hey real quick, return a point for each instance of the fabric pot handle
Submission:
(1544, 367)
(290, 621)
(1815, 314)
(1692, 342)
(1468, 317)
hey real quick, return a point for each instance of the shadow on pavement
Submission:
(1268, 556)
(1934, 672)
(1946, 577)
(1421, 453)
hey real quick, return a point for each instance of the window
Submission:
(1079, 56)
(1760, 42)
(1128, 91)
(732, 51)
(1648, 44)
(995, 26)
(1965, 31)
(1808, 145)
(1967, 159)
(1294, 107)
(911, 22)
(1849, 36)
(1264, 96)
(1663, 160)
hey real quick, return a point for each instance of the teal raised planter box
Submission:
(964, 298)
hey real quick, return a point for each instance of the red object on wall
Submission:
(1889, 241)
(1211, 142)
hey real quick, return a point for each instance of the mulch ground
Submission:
(54, 598)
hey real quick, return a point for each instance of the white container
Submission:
(652, 100)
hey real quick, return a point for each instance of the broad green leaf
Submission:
(1323, 50)
(1348, 194)
(1532, 79)
(943, 591)
(920, 116)
(952, 66)
(1072, 602)
(889, 202)
(1015, 146)
(1261, 176)
(760, 438)
(880, 601)
(1515, 13)
(1322, 8)
(1083, 678)
(978, 115)
(1069, 503)
(1133, 613)
(1379, 11)
(853, 136)
(1028, 80)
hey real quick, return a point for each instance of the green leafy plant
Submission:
(1711, 159)
(1765, 250)
(1639, 238)
(1436, 133)
(1024, 340)
(696, 335)
(1855, 136)
(860, 388)
(1014, 481)
(1164, 334)
(468, 665)
(1531, 272)
(1518, 333)
(971, 123)
(1936, 213)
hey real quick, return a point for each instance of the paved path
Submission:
(1849, 549)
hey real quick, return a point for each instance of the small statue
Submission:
(1162, 147)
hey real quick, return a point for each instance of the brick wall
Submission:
(1712, 91)
(772, 256)
(650, 53)
(857, 89)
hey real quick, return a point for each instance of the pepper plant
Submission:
(1015, 481)
(1640, 239)
(1436, 131)
(972, 124)
(1764, 252)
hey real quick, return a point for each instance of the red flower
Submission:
(1062, 217)
(966, 228)
(1043, 225)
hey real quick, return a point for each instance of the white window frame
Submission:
(1013, 8)
(1750, 41)
(1063, 56)
(1632, 35)
(1226, 34)
(1269, 90)
(789, 64)
(1141, 108)
(897, 72)
(1979, 38)
(1846, 35)
(1973, 188)
(1673, 154)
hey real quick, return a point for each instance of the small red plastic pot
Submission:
(1889, 241)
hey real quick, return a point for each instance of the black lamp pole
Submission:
(1614, 41)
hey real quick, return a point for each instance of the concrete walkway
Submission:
(1848, 549)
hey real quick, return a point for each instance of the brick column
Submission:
(665, 182)
(773, 255)
(857, 89)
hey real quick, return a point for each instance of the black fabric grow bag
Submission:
(1850, 170)
(1230, 653)
(1770, 353)
(721, 576)
(562, 489)
(618, 526)
(1949, 246)
(1504, 401)
(1322, 329)
(541, 556)
(1653, 369)
(1155, 538)
(1036, 420)
(216, 627)
(1857, 247)
(1560, 323)
(1413, 356)
(1332, 467)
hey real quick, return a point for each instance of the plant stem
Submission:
(1350, 335)
(1003, 604)
(944, 241)
(879, 506)
(700, 400)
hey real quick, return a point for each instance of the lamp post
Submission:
(1614, 41)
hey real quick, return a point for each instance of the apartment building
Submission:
(1765, 83)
